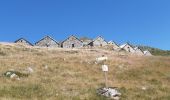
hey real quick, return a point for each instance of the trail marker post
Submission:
(105, 70)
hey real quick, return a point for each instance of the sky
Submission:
(139, 22)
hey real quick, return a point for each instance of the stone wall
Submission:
(147, 53)
(99, 42)
(47, 42)
(128, 48)
(138, 52)
(24, 42)
(72, 42)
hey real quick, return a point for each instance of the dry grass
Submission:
(73, 74)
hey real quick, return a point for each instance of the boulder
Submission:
(112, 93)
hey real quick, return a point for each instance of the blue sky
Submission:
(144, 22)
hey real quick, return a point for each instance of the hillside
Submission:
(72, 74)
(156, 51)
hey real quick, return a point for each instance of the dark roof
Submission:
(69, 37)
(24, 40)
(47, 37)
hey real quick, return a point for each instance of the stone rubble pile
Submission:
(112, 93)
(15, 75)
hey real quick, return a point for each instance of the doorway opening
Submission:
(73, 45)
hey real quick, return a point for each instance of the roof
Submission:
(99, 37)
(146, 51)
(72, 36)
(24, 40)
(122, 46)
(137, 48)
(47, 37)
(113, 43)
(85, 39)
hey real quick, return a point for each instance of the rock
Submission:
(8, 74)
(14, 74)
(30, 70)
(143, 88)
(46, 67)
(116, 98)
(110, 93)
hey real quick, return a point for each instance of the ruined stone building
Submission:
(72, 42)
(127, 47)
(98, 42)
(114, 45)
(85, 41)
(147, 53)
(47, 42)
(138, 51)
(23, 41)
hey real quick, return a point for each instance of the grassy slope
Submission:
(73, 75)
(155, 51)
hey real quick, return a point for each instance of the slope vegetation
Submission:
(72, 74)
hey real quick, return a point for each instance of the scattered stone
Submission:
(110, 93)
(14, 75)
(144, 88)
(46, 67)
(30, 70)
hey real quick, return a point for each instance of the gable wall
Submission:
(129, 49)
(22, 41)
(148, 54)
(72, 40)
(47, 42)
(138, 52)
(115, 46)
(99, 41)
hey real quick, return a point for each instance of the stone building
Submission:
(98, 42)
(86, 41)
(147, 53)
(23, 41)
(138, 51)
(72, 42)
(127, 47)
(114, 45)
(47, 41)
